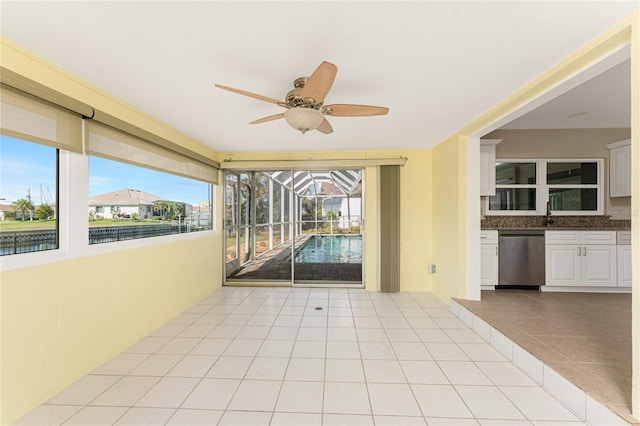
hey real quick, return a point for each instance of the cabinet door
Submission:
(599, 266)
(487, 170)
(624, 266)
(563, 265)
(489, 264)
(620, 172)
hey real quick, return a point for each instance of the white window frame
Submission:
(537, 186)
(73, 226)
(542, 188)
(599, 186)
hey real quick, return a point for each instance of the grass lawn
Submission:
(27, 225)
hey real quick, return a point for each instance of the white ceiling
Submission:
(604, 101)
(436, 65)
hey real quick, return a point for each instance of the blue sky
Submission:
(25, 165)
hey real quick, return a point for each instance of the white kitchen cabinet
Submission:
(581, 258)
(620, 169)
(489, 258)
(624, 258)
(563, 266)
(624, 266)
(488, 166)
(599, 266)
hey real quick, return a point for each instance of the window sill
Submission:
(27, 260)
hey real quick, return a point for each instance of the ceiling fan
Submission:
(305, 103)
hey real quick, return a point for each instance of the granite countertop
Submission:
(561, 223)
(554, 228)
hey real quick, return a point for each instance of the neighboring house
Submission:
(203, 206)
(124, 202)
(4, 208)
(347, 209)
(8, 208)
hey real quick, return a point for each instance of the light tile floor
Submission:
(586, 337)
(269, 356)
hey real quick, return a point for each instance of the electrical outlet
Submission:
(432, 268)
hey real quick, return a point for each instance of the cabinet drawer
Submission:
(598, 237)
(488, 237)
(562, 237)
(624, 238)
(581, 237)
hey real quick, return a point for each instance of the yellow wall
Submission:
(448, 175)
(416, 222)
(61, 320)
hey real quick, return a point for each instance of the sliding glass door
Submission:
(293, 227)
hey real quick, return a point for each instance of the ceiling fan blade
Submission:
(251, 95)
(269, 118)
(348, 110)
(320, 82)
(325, 127)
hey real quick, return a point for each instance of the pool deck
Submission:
(275, 265)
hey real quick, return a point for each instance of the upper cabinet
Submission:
(488, 166)
(620, 169)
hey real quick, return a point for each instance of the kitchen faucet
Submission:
(549, 221)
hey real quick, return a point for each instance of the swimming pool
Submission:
(331, 249)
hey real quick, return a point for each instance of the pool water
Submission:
(331, 249)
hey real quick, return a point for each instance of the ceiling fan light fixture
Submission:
(304, 119)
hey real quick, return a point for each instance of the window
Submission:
(516, 187)
(143, 203)
(572, 187)
(42, 192)
(28, 197)
(33, 130)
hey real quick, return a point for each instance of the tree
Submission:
(162, 207)
(23, 205)
(44, 211)
(168, 209)
(176, 209)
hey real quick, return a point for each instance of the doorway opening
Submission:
(293, 227)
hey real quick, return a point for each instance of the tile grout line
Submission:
(457, 309)
(381, 302)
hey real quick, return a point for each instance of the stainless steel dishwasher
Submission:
(521, 260)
